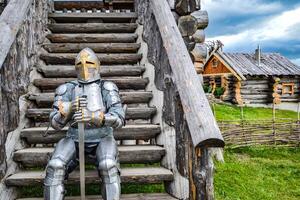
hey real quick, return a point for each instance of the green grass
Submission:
(232, 112)
(259, 173)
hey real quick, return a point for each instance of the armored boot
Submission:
(64, 153)
(108, 168)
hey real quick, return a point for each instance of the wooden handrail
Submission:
(201, 122)
(10, 22)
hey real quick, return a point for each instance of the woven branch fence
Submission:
(283, 132)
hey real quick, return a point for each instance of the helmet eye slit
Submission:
(88, 62)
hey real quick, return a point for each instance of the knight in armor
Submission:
(96, 103)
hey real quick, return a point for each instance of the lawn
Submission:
(266, 173)
(232, 112)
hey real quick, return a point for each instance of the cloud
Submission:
(296, 61)
(220, 9)
(281, 27)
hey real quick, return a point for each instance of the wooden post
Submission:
(298, 112)
(273, 122)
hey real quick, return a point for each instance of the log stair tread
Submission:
(105, 58)
(46, 99)
(91, 4)
(97, 47)
(39, 156)
(92, 27)
(122, 82)
(142, 196)
(80, 17)
(128, 175)
(129, 132)
(131, 113)
(93, 38)
(66, 71)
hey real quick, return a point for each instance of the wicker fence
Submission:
(261, 132)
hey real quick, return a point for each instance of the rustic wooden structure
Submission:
(143, 52)
(252, 132)
(254, 78)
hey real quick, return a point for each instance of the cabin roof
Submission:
(272, 64)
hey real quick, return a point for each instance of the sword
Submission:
(81, 159)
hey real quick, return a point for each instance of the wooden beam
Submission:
(202, 125)
(11, 20)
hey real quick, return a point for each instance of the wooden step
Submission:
(69, 58)
(93, 38)
(46, 99)
(142, 196)
(92, 27)
(85, 17)
(39, 157)
(122, 83)
(128, 175)
(42, 114)
(91, 4)
(65, 71)
(35, 135)
(97, 47)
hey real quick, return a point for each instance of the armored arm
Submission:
(115, 116)
(61, 113)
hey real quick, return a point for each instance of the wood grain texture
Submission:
(128, 175)
(84, 17)
(42, 114)
(45, 100)
(142, 196)
(69, 58)
(129, 132)
(92, 28)
(39, 157)
(122, 83)
(89, 38)
(97, 48)
(64, 71)
(201, 122)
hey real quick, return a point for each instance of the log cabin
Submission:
(253, 78)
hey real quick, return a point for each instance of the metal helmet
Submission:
(87, 65)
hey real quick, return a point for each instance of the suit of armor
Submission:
(96, 103)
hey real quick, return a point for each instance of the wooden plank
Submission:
(37, 157)
(129, 132)
(84, 17)
(90, 38)
(93, 27)
(202, 125)
(128, 175)
(11, 20)
(90, 4)
(98, 48)
(122, 83)
(142, 196)
(69, 58)
(42, 114)
(46, 99)
(65, 71)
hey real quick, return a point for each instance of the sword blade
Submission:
(81, 160)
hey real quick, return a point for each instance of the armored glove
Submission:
(82, 114)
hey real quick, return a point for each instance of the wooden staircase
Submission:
(111, 34)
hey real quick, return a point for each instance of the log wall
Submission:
(192, 162)
(22, 55)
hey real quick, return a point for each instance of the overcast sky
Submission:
(243, 24)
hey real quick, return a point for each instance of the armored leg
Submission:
(108, 168)
(64, 154)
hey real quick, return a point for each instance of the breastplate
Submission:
(94, 96)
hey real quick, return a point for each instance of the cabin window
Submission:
(288, 88)
(215, 63)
